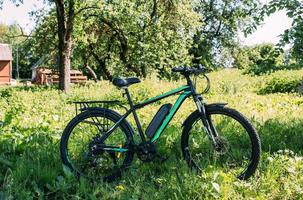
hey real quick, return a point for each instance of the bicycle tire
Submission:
(211, 111)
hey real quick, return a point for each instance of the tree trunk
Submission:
(65, 68)
(105, 72)
(90, 70)
(143, 71)
(92, 73)
(65, 29)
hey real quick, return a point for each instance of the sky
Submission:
(269, 32)
(10, 13)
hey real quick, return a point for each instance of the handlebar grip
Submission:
(178, 69)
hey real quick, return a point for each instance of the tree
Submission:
(41, 44)
(136, 37)
(294, 35)
(129, 37)
(65, 12)
(259, 59)
(65, 20)
(222, 20)
(14, 36)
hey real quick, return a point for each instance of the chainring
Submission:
(147, 151)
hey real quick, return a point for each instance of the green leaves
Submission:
(294, 35)
(282, 82)
(259, 59)
(221, 22)
(136, 37)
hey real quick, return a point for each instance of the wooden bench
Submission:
(75, 77)
(78, 79)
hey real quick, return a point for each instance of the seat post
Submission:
(128, 97)
(134, 114)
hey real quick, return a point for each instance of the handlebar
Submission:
(189, 70)
(186, 71)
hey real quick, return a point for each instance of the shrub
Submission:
(259, 59)
(281, 83)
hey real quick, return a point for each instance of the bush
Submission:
(281, 83)
(259, 59)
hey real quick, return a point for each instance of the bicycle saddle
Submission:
(125, 82)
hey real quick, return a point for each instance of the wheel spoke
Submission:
(233, 157)
(83, 151)
(234, 135)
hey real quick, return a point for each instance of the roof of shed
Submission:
(5, 52)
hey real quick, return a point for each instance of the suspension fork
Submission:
(208, 127)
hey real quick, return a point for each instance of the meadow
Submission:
(33, 119)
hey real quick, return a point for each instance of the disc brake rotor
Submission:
(222, 146)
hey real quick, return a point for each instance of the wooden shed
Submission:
(5, 64)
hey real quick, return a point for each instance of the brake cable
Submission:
(208, 83)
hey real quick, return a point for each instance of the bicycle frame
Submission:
(186, 92)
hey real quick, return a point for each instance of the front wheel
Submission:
(237, 148)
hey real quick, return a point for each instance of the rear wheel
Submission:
(82, 151)
(238, 144)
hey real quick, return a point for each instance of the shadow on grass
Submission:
(35, 167)
(276, 135)
(30, 156)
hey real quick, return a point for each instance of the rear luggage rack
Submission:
(81, 106)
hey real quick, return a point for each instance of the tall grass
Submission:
(32, 121)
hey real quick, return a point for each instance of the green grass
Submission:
(32, 121)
